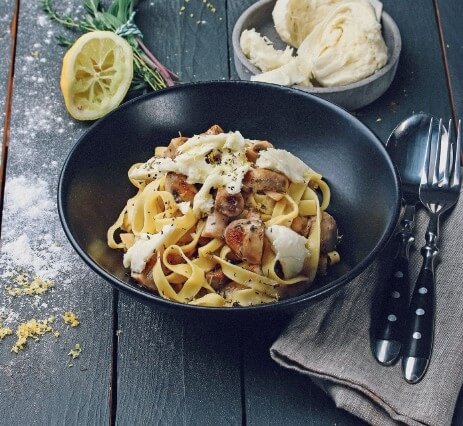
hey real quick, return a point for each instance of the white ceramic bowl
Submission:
(351, 96)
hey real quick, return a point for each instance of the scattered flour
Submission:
(42, 20)
(29, 245)
(32, 240)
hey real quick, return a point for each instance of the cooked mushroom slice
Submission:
(177, 185)
(322, 264)
(328, 233)
(214, 130)
(230, 205)
(216, 278)
(246, 239)
(301, 225)
(215, 225)
(261, 180)
(252, 152)
(172, 148)
(250, 214)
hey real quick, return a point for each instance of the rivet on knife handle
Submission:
(420, 330)
(391, 322)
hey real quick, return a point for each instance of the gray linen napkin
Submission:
(330, 341)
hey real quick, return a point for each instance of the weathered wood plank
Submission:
(235, 9)
(6, 16)
(171, 371)
(419, 86)
(191, 41)
(37, 386)
(420, 83)
(451, 13)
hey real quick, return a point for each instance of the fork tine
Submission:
(435, 177)
(425, 171)
(447, 167)
(456, 181)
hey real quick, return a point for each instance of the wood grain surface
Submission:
(139, 365)
(37, 386)
(451, 19)
(7, 8)
(451, 15)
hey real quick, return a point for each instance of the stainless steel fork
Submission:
(439, 191)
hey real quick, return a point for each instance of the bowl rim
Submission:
(286, 304)
(392, 58)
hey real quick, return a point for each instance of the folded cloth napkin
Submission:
(330, 341)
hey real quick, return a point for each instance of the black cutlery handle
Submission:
(390, 325)
(395, 303)
(420, 330)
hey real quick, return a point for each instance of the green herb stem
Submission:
(118, 18)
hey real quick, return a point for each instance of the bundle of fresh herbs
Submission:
(117, 17)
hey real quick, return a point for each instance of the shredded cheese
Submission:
(70, 318)
(31, 329)
(37, 286)
(5, 331)
(75, 352)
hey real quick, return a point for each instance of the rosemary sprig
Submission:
(118, 18)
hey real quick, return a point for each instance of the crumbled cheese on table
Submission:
(31, 329)
(75, 352)
(35, 287)
(5, 331)
(70, 318)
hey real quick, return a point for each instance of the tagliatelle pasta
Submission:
(217, 221)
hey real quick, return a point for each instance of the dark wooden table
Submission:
(140, 366)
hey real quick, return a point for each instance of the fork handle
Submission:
(420, 330)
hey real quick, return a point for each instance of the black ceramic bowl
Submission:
(93, 186)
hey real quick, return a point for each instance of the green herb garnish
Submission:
(118, 17)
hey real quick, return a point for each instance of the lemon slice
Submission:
(96, 75)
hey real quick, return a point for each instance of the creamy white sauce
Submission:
(184, 207)
(194, 162)
(138, 255)
(289, 248)
(280, 160)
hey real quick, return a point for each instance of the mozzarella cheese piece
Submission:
(138, 255)
(345, 47)
(288, 75)
(294, 20)
(280, 160)
(261, 52)
(339, 42)
(289, 248)
(184, 207)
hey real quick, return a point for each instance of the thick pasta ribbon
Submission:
(249, 297)
(280, 217)
(212, 300)
(193, 273)
(150, 208)
(248, 279)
